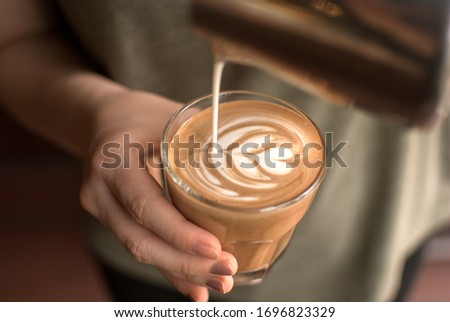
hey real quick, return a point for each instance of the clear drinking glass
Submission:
(255, 236)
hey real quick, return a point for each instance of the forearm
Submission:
(46, 85)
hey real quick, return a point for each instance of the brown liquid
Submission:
(250, 209)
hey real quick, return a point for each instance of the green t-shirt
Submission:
(366, 219)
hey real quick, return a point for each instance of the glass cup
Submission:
(255, 236)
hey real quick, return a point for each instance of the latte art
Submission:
(249, 183)
(260, 158)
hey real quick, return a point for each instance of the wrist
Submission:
(142, 115)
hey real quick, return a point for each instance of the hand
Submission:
(131, 204)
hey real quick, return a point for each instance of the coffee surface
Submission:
(266, 154)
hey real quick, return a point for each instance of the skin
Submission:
(46, 86)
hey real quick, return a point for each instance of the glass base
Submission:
(250, 277)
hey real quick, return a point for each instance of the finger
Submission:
(142, 197)
(195, 292)
(148, 247)
(219, 283)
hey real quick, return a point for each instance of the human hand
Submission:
(130, 202)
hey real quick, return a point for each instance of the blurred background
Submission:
(43, 250)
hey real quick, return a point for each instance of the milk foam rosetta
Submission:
(269, 154)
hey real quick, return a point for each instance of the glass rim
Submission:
(191, 192)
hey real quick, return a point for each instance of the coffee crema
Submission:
(268, 154)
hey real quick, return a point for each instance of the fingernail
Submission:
(216, 286)
(221, 268)
(206, 251)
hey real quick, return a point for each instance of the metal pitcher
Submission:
(387, 56)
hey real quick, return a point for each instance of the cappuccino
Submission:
(254, 185)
